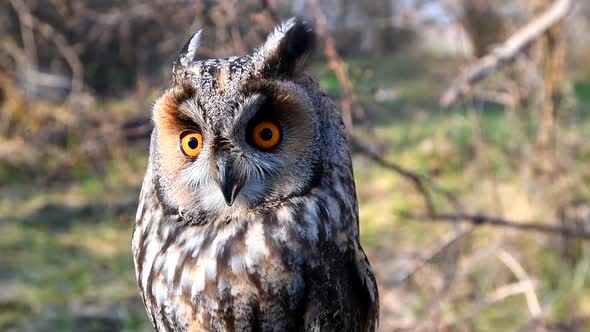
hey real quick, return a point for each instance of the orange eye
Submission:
(191, 143)
(266, 135)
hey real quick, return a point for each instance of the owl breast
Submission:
(248, 218)
(290, 266)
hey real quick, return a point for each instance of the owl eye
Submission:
(266, 135)
(191, 143)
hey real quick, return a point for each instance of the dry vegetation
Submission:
(476, 215)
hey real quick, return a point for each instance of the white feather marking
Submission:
(191, 50)
(340, 190)
(311, 220)
(171, 263)
(150, 253)
(159, 291)
(156, 267)
(236, 264)
(284, 214)
(185, 280)
(211, 269)
(333, 209)
(220, 241)
(140, 206)
(256, 247)
(285, 218)
(197, 277)
(194, 245)
(165, 231)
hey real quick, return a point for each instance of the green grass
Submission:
(582, 91)
(66, 246)
(413, 131)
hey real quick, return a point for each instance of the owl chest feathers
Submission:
(262, 269)
(248, 218)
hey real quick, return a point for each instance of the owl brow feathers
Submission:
(273, 91)
(284, 102)
(167, 111)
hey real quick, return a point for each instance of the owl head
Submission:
(234, 133)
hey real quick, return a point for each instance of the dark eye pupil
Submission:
(266, 134)
(193, 143)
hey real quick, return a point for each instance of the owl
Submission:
(248, 217)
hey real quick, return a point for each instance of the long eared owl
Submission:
(248, 218)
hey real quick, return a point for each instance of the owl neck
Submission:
(320, 212)
(199, 217)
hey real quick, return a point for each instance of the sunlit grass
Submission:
(67, 244)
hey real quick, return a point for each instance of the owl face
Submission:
(232, 133)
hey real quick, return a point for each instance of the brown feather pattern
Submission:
(286, 255)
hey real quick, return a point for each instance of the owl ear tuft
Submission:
(187, 54)
(287, 49)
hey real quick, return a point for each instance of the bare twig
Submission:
(349, 103)
(448, 241)
(424, 186)
(28, 38)
(66, 50)
(502, 292)
(507, 51)
(531, 297)
(479, 220)
(421, 183)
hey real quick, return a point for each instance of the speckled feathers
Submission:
(285, 255)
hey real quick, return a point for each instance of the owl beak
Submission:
(228, 182)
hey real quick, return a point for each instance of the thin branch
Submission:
(60, 41)
(349, 103)
(480, 220)
(28, 39)
(447, 242)
(421, 183)
(531, 297)
(507, 51)
(501, 293)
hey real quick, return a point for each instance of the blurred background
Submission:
(473, 180)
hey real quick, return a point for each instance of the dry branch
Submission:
(349, 103)
(531, 296)
(50, 33)
(431, 254)
(480, 220)
(425, 185)
(507, 51)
